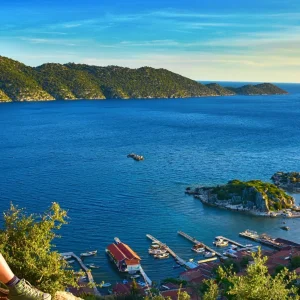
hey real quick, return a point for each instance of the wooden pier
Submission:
(231, 241)
(193, 240)
(176, 257)
(85, 269)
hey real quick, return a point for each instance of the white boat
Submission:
(135, 276)
(157, 251)
(104, 285)
(89, 253)
(209, 254)
(233, 247)
(71, 262)
(221, 243)
(161, 256)
(198, 248)
(67, 257)
(93, 266)
(155, 246)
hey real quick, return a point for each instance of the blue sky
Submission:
(232, 40)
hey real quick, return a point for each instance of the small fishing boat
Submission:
(67, 257)
(285, 228)
(156, 251)
(104, 285)
(89, 253)
(135, 276)
(93, 266)
(71, 261)
(221, 243)
(155, 246)
(198, 248)
(161, 256)
(209, 254)
(249, 245)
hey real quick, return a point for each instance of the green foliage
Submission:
(212, 291)
(295, 262)
(78, 81)
(259, 89)
(26, 244)
(276, 198)
(257, 283)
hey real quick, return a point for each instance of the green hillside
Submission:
(19, 82)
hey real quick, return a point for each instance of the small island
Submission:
(254, 197)
(289, 181)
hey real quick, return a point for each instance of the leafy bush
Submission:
(26, 244)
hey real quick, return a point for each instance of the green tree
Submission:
(295, 262)
(212, 291)
(258, 283)
(26, 244)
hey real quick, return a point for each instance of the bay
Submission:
(74, 152)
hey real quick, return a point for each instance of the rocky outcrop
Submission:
(252, 195)
(289, 181)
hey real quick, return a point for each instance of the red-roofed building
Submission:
(124, 257)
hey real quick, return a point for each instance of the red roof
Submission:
(129, 253)
(132, 262)
(116, 252)
(121, 289)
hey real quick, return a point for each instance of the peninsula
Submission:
(289, 181)
(53, 81)
(254, 197)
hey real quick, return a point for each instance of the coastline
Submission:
(239, 208)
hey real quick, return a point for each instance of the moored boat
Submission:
(161, 256)
(221, 243)
(156, 251)
(93, 266)
(285, 227)
(209, 254)
(89, 253)
(135, 276)
(198, 248)
(104, 285)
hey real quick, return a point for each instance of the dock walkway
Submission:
(85, 269)
(193, 240)
(231, 241)
(145, 276)
(177, 258)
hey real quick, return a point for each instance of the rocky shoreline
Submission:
(248, 198)
(289, 181)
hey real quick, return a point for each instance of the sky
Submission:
(213, 40)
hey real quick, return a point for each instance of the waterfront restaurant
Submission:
(124, 257)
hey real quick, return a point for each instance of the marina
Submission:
(193, 240)
(178, 259)
(88, 273)
(263, 239)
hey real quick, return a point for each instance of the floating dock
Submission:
(206, 260)
(193, 240)
(146, 278)
(231, 241)
(176, 257)
(85, 269)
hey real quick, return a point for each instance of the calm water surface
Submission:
(75, 153)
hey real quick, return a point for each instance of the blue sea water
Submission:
(74, 152)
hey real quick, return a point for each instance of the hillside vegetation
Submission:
(51, 81)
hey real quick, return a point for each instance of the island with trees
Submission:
(289, 181)
(254, 197)
(53, 81)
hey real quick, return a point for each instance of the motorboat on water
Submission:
(71, 261)
(104, 285)
(198, 248)
(161, 256)
(135, 276)
(89, 253)
(156, 251)
(66, 257)
(209, 254)
(221, 243)
(93, 266)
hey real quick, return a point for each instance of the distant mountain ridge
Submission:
(53, 81)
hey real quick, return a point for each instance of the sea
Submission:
(75, 153)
